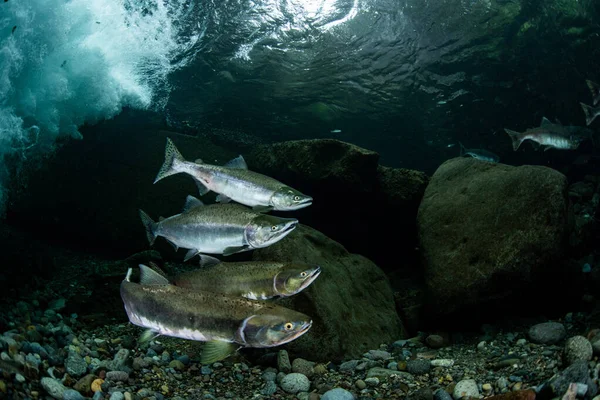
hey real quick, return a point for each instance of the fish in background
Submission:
(217, 229)
(479, 154)
(592, 112)
(226, 323)
(234, 181)
(551, 135)
(255, 280)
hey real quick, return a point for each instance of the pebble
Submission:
(383, 373)
(270, 388)
(435, 341)
(377, 355)
(418, 367)
(295, 382)
(442, 363)
(547, 333)
(303, 366)
(283, 361)
(117, 396)
(71, 394)
(577, 348)
(53, 387)
(117, 376)
(349, 365)
(337, 394)
(441, 394)
(372, 382)
(75, 365)
(360, 384)
(465, 388)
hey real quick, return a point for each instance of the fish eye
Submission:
(303, 274)
(288, 326)
(274, 228)
(296, 198)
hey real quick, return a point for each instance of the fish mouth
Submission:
(305, 327)
(314, 275)
(289, 226)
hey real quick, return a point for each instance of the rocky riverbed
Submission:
(48, 352)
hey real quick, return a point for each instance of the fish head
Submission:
(295, 278)
(264, 230)
(274, 328)
(288, 199)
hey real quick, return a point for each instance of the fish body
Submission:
(590, 113)
(234, 181)
(479, 154)
(218, 228)
(550, 135)
(255, 280)
(226, 322)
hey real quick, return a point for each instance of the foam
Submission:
(80, 61)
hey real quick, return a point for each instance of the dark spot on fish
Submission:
(13, 29)
(192, 319)
(98, 22)
(63, 64)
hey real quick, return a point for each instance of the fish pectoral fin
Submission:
(202, 189)
(208, 261)
(148, 276)
(173, 244)
(223, 199)
(235, 249)
(191, 202)
(216, 350)
(148, 335)
(190, 254)
(262, 209)
(237, 163)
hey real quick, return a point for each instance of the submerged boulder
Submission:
(354, 197)
(491, 232)
(351, 303)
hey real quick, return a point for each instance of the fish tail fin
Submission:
(172, 155)
(590, 115)
(516, 138)
(150, 226)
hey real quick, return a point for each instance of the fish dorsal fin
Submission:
(238, 163)
(157, 269)
(128, 276)
(216, 350)
(191, 202)
(150, 277)
(546, 122)
(161, 219)
(198, 161)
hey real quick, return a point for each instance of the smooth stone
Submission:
(337, 394)
(547, 333)
(465, 388)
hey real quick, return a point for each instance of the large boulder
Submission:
(351, 303)
(354, 197)
(491, 234)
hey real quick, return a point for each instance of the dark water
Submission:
(91, 90)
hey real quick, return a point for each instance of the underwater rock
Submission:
(490, 234)
(547, 333)
(351, 303)
(351, 190)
